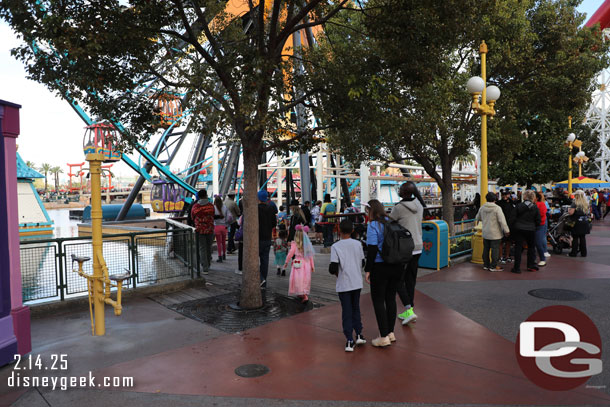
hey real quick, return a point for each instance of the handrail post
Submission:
(134, 256)
(60, 259)
(189, 238)
(198, 255)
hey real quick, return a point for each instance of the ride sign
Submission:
(559, 348)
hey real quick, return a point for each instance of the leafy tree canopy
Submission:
(396, 89)
(232, 61)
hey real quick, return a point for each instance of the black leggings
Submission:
(406, 285)
(384, 280)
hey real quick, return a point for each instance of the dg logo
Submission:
(559, 348)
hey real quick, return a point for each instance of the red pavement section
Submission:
(444, 358)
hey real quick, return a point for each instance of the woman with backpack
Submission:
(382, 277)
(409, 213)
(524, 220)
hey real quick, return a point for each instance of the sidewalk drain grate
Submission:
(221, 311)
(557, 294)
(253, 370)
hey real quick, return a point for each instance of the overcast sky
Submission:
(50, 130)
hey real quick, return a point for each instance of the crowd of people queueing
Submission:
(523, 220)
(348, 256)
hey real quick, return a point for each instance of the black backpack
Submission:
(397, 245)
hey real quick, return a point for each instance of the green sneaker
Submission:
(410, 316)
(404, 315)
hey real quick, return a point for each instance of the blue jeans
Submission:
(350, 313)
(596, 211)
(541, 243)
(263, 253)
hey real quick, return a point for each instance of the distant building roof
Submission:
(25, 172)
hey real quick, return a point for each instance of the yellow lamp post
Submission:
(569, 141)
(99, 147)
(483, 100)
(580, 159)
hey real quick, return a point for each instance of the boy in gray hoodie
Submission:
(494, 228)
(409, 213)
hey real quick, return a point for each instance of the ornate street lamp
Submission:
(483, 101)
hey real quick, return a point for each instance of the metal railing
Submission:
(461, 241)
(151, 256)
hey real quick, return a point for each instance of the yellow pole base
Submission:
(477, 248)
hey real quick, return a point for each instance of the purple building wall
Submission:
(15, 334)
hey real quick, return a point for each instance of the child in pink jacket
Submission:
(302, 265)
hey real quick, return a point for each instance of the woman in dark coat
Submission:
(579, 214)
(297, 218)
(524, 220)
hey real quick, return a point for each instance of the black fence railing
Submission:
(460, 243)
(150, 256)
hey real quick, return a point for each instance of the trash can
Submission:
(435, 237)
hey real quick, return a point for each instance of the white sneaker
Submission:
(392, 337)
(547, 254)
(542, 264)
(409, 318)
(239, 272)
(360, 340)
(349, 346)
(381, 341)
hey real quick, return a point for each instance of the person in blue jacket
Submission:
(382, 277)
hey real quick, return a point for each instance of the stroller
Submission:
(557, 234)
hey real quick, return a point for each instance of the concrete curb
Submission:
(460, 259)
(79, 303)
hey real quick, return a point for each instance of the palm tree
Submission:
(30, 164)
(465, 159)
(45, 168)
(56, 171)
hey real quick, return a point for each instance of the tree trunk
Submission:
(447, 194)
(45, 182)
(250, 288)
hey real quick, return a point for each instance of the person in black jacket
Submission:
(524, 220)
(297, 218)
(266, 222)
(307, 212)
(579, 214)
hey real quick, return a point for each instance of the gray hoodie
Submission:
(409, 215)
(494, 223)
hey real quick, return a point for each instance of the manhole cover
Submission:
(557, 294)
(253, 370)
(222, 313)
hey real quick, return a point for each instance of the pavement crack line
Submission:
(43, 397)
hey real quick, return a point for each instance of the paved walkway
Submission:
(460, 352)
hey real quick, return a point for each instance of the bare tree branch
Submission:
(304, 134)
(222, 74)
(206, 28)
(321, 21)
